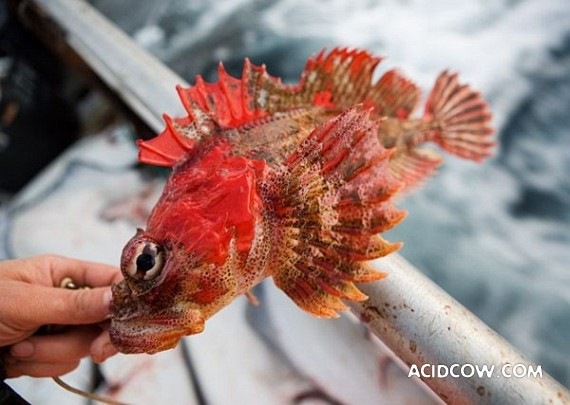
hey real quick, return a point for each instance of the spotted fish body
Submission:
(289, 182)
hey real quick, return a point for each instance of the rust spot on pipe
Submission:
(375, 310)
(365, 317)
(413, 346)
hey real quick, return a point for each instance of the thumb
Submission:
(82, 306)
(66, 307)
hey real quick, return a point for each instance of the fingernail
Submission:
(107, 351)
(22, 349)
(107, 296)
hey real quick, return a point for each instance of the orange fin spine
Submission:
(352, 219)
(252, 298)
(166, 149)
(327, 203)
(225, 101)
(211, 107)
(414, 166)
(338, 79)
(459, 119)
(264, 92)
(394, 95)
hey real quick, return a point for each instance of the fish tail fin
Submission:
(459, 119)
(327, 203)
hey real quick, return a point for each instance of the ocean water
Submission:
(496, 235)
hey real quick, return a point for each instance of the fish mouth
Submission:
(131, 337)
(138, 326)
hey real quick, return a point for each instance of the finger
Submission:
(35, 369)
(28, 306)
(50, 270)
(69, 346)
(102, 348)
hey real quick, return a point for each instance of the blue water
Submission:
(497, 235)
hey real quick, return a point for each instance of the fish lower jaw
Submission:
(148, 337)
(129, 340)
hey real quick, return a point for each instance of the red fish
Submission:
(289, 182)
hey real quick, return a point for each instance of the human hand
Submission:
(29, 301)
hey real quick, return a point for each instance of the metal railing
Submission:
(415, 318)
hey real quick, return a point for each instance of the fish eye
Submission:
(148, 261)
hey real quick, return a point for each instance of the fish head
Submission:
(166, 294)
(190, 262)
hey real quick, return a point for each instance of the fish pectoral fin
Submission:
(252, 298)
(326, 205)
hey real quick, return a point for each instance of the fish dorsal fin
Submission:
(335, 81)
(171, 145)
(394, 95)
(227, 102)
(327, 204)
(212, 108)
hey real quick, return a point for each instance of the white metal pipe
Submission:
(422, 324)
